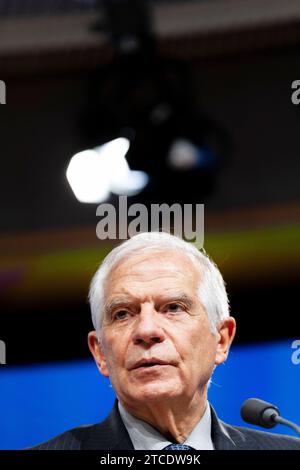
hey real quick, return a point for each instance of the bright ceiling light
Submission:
(88, 177)
(93, 174)
(134, 183)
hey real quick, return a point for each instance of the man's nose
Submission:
(148, 329)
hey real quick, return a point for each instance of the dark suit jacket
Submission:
(111, 434)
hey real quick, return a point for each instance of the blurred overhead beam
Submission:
(187, 30)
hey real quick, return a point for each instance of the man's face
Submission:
(156, 339)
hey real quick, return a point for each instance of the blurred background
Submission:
(192, 100)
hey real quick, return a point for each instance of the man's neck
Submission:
(175, 419)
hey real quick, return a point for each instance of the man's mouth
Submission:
(149, 363)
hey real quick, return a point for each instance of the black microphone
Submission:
(262, 413)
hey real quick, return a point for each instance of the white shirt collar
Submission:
(146, 437)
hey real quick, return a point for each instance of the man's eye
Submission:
(174, 308)
(121, 315)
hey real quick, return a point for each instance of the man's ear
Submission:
(97, 351)
(225, 334)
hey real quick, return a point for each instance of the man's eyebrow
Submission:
(126, 301)
(179, 297)
(110, 305)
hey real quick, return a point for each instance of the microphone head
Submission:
(259, 412)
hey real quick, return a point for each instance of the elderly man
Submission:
(161, 317)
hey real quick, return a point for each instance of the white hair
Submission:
(211, 292)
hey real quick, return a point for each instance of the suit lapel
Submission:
(111, 434)
(226, 437)
(220, 436)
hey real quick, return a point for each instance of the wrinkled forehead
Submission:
(162, 269)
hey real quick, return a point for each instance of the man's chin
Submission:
(155, 392)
